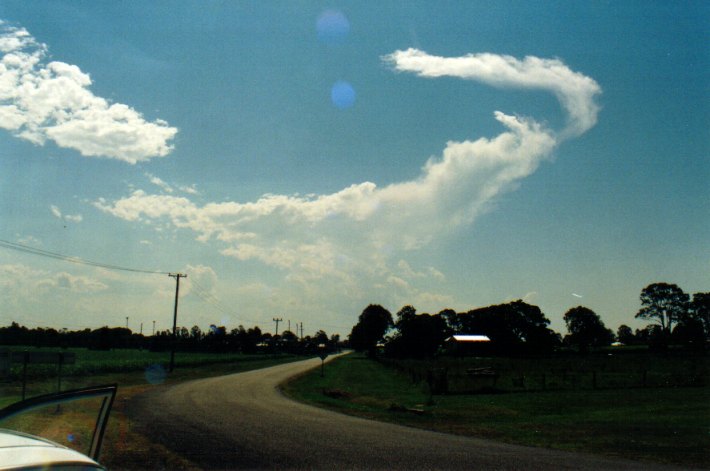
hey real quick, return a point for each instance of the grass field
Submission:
(609, 369)
(135, 373)
(670, 424)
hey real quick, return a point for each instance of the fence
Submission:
(481, 375)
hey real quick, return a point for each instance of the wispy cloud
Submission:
(43, 100)
(159, 183)
(357, 238)
(66, 217)
(575, 91)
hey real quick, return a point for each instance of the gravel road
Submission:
(242, 421)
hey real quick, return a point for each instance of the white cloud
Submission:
(190, 190)
(66, 217)
(201, 279)
(575, 91)
(21, 280)
(159, 183)
(41, 100)
(356, 239)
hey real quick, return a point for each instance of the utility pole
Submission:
(289, 325)
(153, 327)
(141, 328)
(126, 322)
(177, 277)
(301, 330)
(277, 320)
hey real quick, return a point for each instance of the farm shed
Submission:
(468, 344)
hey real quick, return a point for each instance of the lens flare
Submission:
(155, 374)
(332, 26)
(342, 95)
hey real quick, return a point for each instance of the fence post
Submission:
(25, 359)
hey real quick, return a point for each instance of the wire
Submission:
(199, 291)
(209, 298)
(66, 258)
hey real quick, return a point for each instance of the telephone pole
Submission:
(177, 277)
(153, 327)
(277, 320)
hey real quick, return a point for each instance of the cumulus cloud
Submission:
(43, 100)
(201, 280)
(363, 232)
(19, 279)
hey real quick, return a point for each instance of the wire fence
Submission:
(510, 375)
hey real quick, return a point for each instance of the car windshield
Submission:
(75, 418)
(199, 188)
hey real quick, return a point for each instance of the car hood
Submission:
(19, 450)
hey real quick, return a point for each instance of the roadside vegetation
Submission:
(501, 372)
(663, 424)
(135, 372)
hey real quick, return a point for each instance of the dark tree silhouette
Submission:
(417, 336)
(625, 335)
(700, 309)
(690, 332)
(513, 327)
(452, 319)
(320, 337)
(664, 303)
(586, 329)
(372, 325)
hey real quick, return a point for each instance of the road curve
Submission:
(242, 421)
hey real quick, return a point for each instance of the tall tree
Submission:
(372, 325)
(700, 308)
(663, 303)
(512, 327)
(417, 335)
(586, 329)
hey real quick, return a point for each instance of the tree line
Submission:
(217, 339)
(518, 327)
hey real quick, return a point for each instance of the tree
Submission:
(418, 335)
(372, 325)
(700, 309)
(452, 319)
(690, 332)
(513, 327)
(664, 303)
(625, 335)
(321, 337)
(586, 329)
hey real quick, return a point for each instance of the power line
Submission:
(213, 300)
(66, 258)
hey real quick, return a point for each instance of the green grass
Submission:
(670, 425)
(91, 362)
(613, 369)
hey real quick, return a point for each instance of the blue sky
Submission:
(551, 152)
